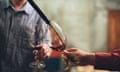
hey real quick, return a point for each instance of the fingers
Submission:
(72, 55)
(42, 52)
(70, 50)
(35, 52)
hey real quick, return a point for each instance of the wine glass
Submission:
(58, 37)
(59, 43)
(37, 65)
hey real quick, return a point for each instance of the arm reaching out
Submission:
(100, 60)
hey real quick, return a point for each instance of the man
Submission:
(101, 60)
(21, 29)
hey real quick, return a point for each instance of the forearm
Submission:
(110, 61)
(88, 59)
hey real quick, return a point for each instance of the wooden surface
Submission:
(113, 29)
(88, 68)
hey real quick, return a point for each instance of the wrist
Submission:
(91, 58)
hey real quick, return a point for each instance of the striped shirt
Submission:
(19, 30)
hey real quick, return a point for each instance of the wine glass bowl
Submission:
(57, 36)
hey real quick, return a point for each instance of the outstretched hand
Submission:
(43, 52)
(78, 57)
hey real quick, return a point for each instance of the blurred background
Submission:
(87, 24)
(84, 22)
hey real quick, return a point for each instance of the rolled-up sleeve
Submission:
(43, 32)
(109, 61)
